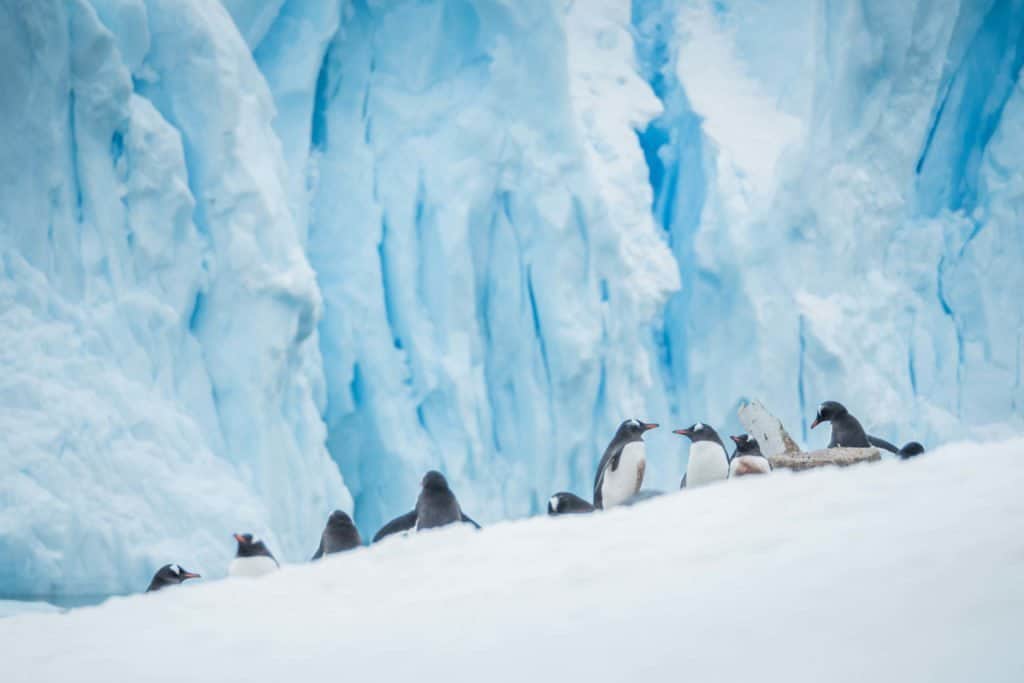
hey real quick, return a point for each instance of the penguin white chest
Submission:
(625, 481)
(743, 465)
(708, 463)
(258, 565)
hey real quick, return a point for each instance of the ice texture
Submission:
(264, 259)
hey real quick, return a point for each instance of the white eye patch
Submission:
(176, 569)
(699, 426)
(553, 502)
(635, 423)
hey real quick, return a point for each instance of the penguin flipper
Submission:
(468, 520)
(882, 443)
(397, 525)
(319, 551)
(682, 484)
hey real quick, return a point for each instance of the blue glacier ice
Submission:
(264, 259)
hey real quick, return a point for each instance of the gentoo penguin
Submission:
(708, 459)
(252, 558)
(621, 470)
(910, 450)
(747, 458)
(565, 503)
(436, 506)
(339, 534)
(170, 575)
(847, 431)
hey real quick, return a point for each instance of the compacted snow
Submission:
(898, 571)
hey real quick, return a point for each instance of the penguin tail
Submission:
(882, 443)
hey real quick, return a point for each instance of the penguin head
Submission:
(170, 575)
(911, 449)
(250, 546)
(564, 503)
(339, 519)
(699, 432)
(633, 429)
(434, 481)
(828, 411)
(746, 445)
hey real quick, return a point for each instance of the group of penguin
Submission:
(620, 475)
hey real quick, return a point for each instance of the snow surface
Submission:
(897, 571)
(262, 260)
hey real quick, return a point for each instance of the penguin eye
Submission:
(176, 569)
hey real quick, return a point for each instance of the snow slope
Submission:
(900, 571)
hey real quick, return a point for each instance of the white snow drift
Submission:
(898, 571)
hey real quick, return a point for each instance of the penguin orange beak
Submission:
(682, 432)
(649, 425)
(817, 421)
(736, 439)
(238, 537)
(190, 575)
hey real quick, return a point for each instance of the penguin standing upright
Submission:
(436, 506)
(252, 558)
(709, 461)
(621, 470)
(170, 575)
(339, 535)
(747, 458)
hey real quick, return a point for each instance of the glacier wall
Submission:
(161, 382)
(249, 247)
(844, 200)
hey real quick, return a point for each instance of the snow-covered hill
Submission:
(898, 571)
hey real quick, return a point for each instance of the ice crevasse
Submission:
(259, 260)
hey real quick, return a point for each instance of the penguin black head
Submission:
(434, 481)
(745, 445)
(699, 432)
(249, 546)
(565, 503)
(339, 519)
(632, 430)
(170, 575)
(911, 449)
(828, 411)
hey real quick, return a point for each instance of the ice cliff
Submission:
(259, 260)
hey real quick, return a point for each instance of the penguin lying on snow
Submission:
(565, 503)
(910, 449)
(709, 461)
(436, 506)
(339, 535)
(847, 432)
(621, 470)
(747, 458)
(252, 558)
(170, 575)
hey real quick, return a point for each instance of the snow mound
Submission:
(896, 571)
